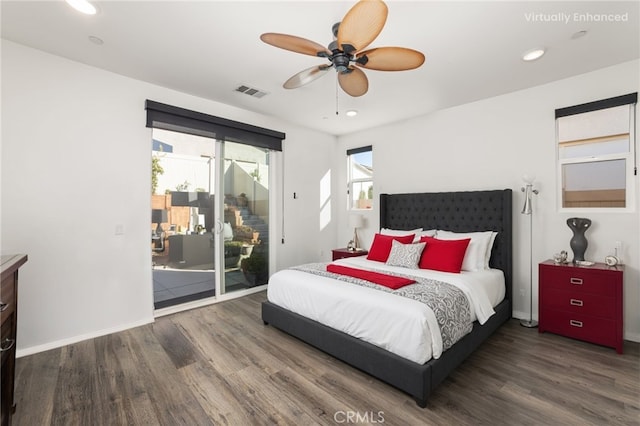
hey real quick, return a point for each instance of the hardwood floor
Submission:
(221, 365)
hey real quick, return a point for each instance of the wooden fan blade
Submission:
(294, 44)
(355, 83)
(361, 25)
(391, 59)
(306, 76)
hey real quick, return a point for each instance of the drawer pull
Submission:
(3, 306)
(577, 281)
(576, 302)
(7, 344)
(575, 323)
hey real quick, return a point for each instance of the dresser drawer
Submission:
(579, 326)
(579, 280)
(7, 339)
(7, 298)
(581, 303)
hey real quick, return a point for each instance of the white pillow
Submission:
(476, 257)
(405, 255)
(418, 232)
(399, 232)
(489, 248)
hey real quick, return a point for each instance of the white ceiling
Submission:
(208, 48)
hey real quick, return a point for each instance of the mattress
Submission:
(400, 325)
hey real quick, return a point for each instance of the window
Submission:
(360, 166)
(596, 153)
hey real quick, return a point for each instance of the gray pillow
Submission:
(405, 255)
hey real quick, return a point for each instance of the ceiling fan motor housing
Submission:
(341, 62)
(339, 59)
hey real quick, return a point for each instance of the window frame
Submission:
(351, 181)
(630, 157)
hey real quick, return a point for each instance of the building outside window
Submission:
(596, 154)
(360, 185)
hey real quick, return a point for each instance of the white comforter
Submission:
(400, 325)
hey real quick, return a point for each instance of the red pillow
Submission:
(443, 255)
(381, 246)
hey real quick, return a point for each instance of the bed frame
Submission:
(466, 211)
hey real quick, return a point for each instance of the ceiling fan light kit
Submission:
(359, 27)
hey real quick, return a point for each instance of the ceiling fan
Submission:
(359, 27)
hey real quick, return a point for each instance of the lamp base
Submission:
(529, 323)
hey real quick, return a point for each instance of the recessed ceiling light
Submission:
(96, 40)
(83, 6)
(351, 113)
(533, 54)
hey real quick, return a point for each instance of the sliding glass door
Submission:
(210, 203)
(245, 184)
(183, 219)
(210, 217)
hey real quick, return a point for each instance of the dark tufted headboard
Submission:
(464, 211)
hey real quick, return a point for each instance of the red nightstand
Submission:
(582, 302)
(341, 253)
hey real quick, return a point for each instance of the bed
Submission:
(464, 211)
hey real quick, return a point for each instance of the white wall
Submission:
(490, 144)
(76, 163)
(310, 218)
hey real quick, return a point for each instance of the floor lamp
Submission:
(527, 210)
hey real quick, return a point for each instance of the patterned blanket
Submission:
(448, 302)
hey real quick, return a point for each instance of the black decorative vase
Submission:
(578, 242)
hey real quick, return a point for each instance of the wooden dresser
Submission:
(582, 302)
(9, 314)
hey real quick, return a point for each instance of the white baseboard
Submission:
(75, 339)
(523, 315)
(632, 337)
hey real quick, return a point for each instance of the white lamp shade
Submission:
(356, 221)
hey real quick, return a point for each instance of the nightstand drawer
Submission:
(582, 303)
(578, 280)
(578, 326)
(343, 253)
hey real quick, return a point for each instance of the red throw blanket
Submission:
(390, 281)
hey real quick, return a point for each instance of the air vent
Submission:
(251, 91)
